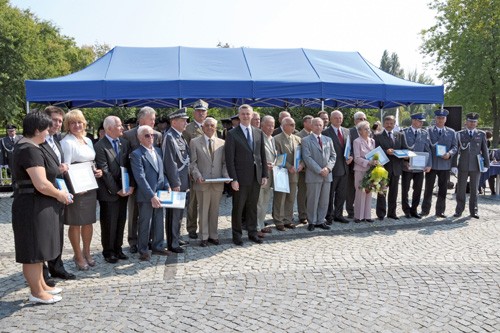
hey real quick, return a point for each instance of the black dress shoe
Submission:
(441, 215)
(328, 222)
(214, 241)
(176, 250)
(238, 242)
(193, 235)
(304, 221)
(182, 243)
(350, 216)
(457, 214)
(369, 220)
(416, 215)
(341, 219)
(323, 226)
(474, 216)
(290, 226)
(310, 227)
(203, 243)
(394, 217)
(162, 252)
(50, 282)
(255, 239)
(111, 259)
(358, 221)
(62, 274)
(408, 216)
(133, 249)
(122, 256)
(422, 213)
(381, 218)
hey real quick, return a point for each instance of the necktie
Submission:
(320, 143)
(390, 136)
(415, 133)
(249, 139)
(12, 140)
(470, 134)
(440, 132)
(115, 147)
(341, 138)
(211, 148)
(54, 147)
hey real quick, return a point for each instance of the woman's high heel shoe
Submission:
(81, 267)
(90, 261)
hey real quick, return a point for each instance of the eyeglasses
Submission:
(362, 119)
(149, 136)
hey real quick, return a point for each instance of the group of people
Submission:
(323, 177)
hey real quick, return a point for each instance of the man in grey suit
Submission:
(247, 166)
(145, 116)
(111, 155)
(147, 168)
(339, 136)
(287, 143)
(176, 165)
(472, 151)
(319, 157)
(351, 190)
(389, 140)
(443, 143)
(266, 191)
(208, 162)
(418, 141)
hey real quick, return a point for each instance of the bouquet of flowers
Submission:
(375, 179)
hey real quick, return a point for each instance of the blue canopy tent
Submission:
(227, 77)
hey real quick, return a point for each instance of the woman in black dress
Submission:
(36, 206)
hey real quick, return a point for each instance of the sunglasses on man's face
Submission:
(149, 136)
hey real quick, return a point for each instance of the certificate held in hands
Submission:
(82, 177)
(125, 180)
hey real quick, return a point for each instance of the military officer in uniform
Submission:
(176, 168)
(193, 130)
(443, 147)
(417, 140)
(7, 146)
(471, 158)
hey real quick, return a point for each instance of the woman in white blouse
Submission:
(77, 148)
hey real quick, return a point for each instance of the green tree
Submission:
(31, 49)
(390, 64)
(465, 43)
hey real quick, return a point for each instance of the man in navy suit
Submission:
(112, 153)
(147, 168)
(247, 166)
(53, 149)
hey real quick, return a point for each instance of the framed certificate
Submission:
(125, 179)
(382, 157)
(297, 157)
(178, 200)
(280, 179)
(347, 149)
(280, 160)
(82, 177)
(402, 153)
(419, 161)
(440, 150)
(480, 162)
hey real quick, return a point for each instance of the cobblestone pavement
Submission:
(426, 275)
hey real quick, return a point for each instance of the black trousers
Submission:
(418, 182)
(113, 215)
(245, 208)
(338, 195)
(430, 179)
(388, 205)
(56, 265)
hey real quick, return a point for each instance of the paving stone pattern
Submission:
(429, 275)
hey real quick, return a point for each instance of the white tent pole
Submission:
(322, 105)
(27, 107)
(180, 104)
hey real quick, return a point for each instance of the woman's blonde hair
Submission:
(74, 116)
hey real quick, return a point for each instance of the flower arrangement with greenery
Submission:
(376, 179)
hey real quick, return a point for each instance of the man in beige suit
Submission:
(266, 191)
(287, 143)
(301, 185)
(208, 162)
(194, 130)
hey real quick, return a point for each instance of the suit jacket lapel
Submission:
(51, 152)
(150, 159)
(242, 137)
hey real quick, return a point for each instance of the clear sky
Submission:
(366, 26)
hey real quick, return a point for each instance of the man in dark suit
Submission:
(53, 149)
(147, 168)
(389, 141)
(351, 190)
(246, 164)
(176, 167)
(145, 116)
(112, 153)
(338, 188)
